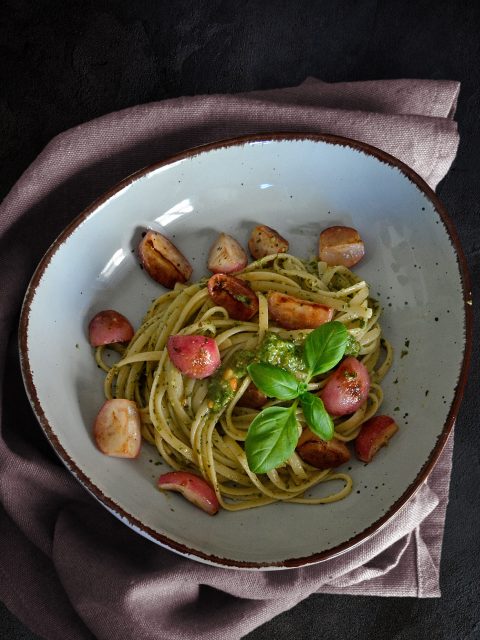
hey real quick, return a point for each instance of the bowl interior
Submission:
(298, 186)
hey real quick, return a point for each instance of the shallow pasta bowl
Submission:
(298, 184)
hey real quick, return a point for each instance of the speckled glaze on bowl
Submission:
(298, 184)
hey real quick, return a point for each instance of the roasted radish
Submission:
(194, 356)
(340, 246)
(347, 388)
(162, 260)
(265, 241)
(321, 454)
(252, 398)
(117, 429)
(193, 488)
(234, 295)
(109, 327)
(226, 255)
(375, 433)
(294, 313)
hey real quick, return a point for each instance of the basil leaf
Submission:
(271, 438)
(325, 346)
(273, 381)
(316, 416)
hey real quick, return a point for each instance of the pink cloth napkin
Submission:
(68, 568)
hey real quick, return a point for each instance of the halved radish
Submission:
(322, 454)
(194, 488)
(294, 313)
(109, 327)
(265, 241)
(234, 295)
(252, 398)
(226, 255)
(375, 433)
(347, 388)
(162, 260)
(195, 356)
(117, 429)
(341, 246)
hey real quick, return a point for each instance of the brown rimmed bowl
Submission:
(298, 184)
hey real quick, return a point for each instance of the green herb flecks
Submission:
(241, 298)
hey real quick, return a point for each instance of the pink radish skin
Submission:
(347, 388)
(194, 356)
(374, 434)
(194, 488)
(226, 255)
(109, 327)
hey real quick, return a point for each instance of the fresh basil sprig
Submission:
(324, 347)
(316, 416)
(274, 381)
(273, 434)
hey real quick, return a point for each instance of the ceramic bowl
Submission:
(298, 184)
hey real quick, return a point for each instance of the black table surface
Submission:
(63, 63)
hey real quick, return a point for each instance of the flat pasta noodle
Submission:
(180, 419)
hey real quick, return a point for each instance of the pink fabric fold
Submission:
(83, 573)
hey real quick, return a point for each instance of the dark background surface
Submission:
(65, 62)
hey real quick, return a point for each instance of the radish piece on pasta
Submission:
(294, 313)
(347, 388)
(194, 356)
(320, 453)
(234, 295)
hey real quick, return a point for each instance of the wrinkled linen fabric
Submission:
(68, 568)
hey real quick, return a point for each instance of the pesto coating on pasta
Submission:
(201, 425)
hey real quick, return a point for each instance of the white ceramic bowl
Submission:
(298, 184)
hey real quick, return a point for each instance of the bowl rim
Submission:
(239, 141)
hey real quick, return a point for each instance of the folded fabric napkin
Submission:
(68, 568)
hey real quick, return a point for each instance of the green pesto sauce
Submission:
(282, 353)
(220, 391)
(311, 266)
(353, 346)
(273, 350)
(243, 299)
(285, 354)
